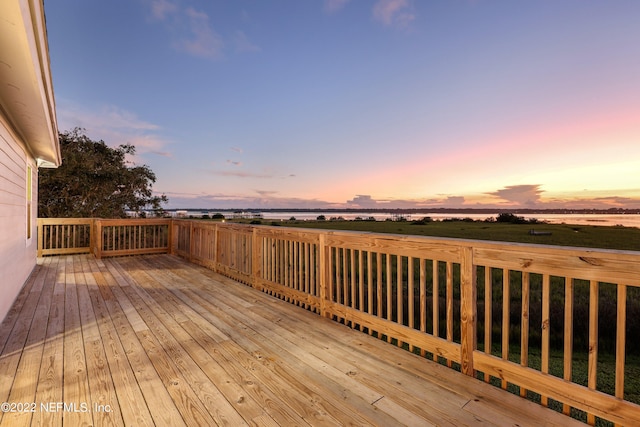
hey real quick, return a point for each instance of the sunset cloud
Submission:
(115, 126)
(334, 5)
(161, 9)
(148, 144)
(243, 44)
(393, 13)
(454, 201)
(193, 33)
(524, 195)
(241, 174)
(106, 116)
(274, 199)
(260, 199)
(265, 174)
(363, 201)
(191, 29)
(202, 41)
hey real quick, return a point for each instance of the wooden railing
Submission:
(103, 237)
(60, 236)
(523, 317)
(118, 237)
(519, 316)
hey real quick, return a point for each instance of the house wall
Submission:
(17, 250)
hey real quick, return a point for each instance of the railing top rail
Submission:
(134, 221)
(451, 241)
(64, 221)
(56, 221)
(290, 233)
(604, 265)
(626, 255)
(489, 244)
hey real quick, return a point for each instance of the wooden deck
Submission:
(155, 340)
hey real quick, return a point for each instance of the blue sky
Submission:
(354, 103)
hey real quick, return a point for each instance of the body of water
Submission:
(627, 220)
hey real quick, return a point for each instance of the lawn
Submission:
(588, 236)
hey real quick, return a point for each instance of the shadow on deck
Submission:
(155, 340)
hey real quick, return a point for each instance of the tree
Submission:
(95, 181)
(510, 218)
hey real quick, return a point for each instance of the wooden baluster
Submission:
(361, 305)
(389, 305)
(423, 301)
(488, 315)
(410, 297)
(399, 294)
(621, 339)
(593, 342)
(546, 329)
(449, 293)
(436, 302)
(568, 336)
(506, 324)
(379, 287)
(256, 257)
(524, 326)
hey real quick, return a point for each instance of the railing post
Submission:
(191, 243)
(92, 235)
(468, 310)
(97, 239)
(256, 257)
(170, 238)
(216, 247)
(40, 236)
(323, 275)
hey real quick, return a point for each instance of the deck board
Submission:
(155, 340)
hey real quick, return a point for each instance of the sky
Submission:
(360, 103)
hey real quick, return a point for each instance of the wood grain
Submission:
(166, 342)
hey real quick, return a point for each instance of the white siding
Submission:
(17, 253)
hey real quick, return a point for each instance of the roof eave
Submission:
(26, 89)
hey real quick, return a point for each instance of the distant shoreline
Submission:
(600, 217)
(610, 211)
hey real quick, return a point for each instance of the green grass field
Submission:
(588, 236)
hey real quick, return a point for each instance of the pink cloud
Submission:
(393, 12)
(160, 9)
(203, 40)
(524, 195)
(363, 201)
(334, 5)
(115, 126)
(261, 199)
(243, 44)
(242, 174)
